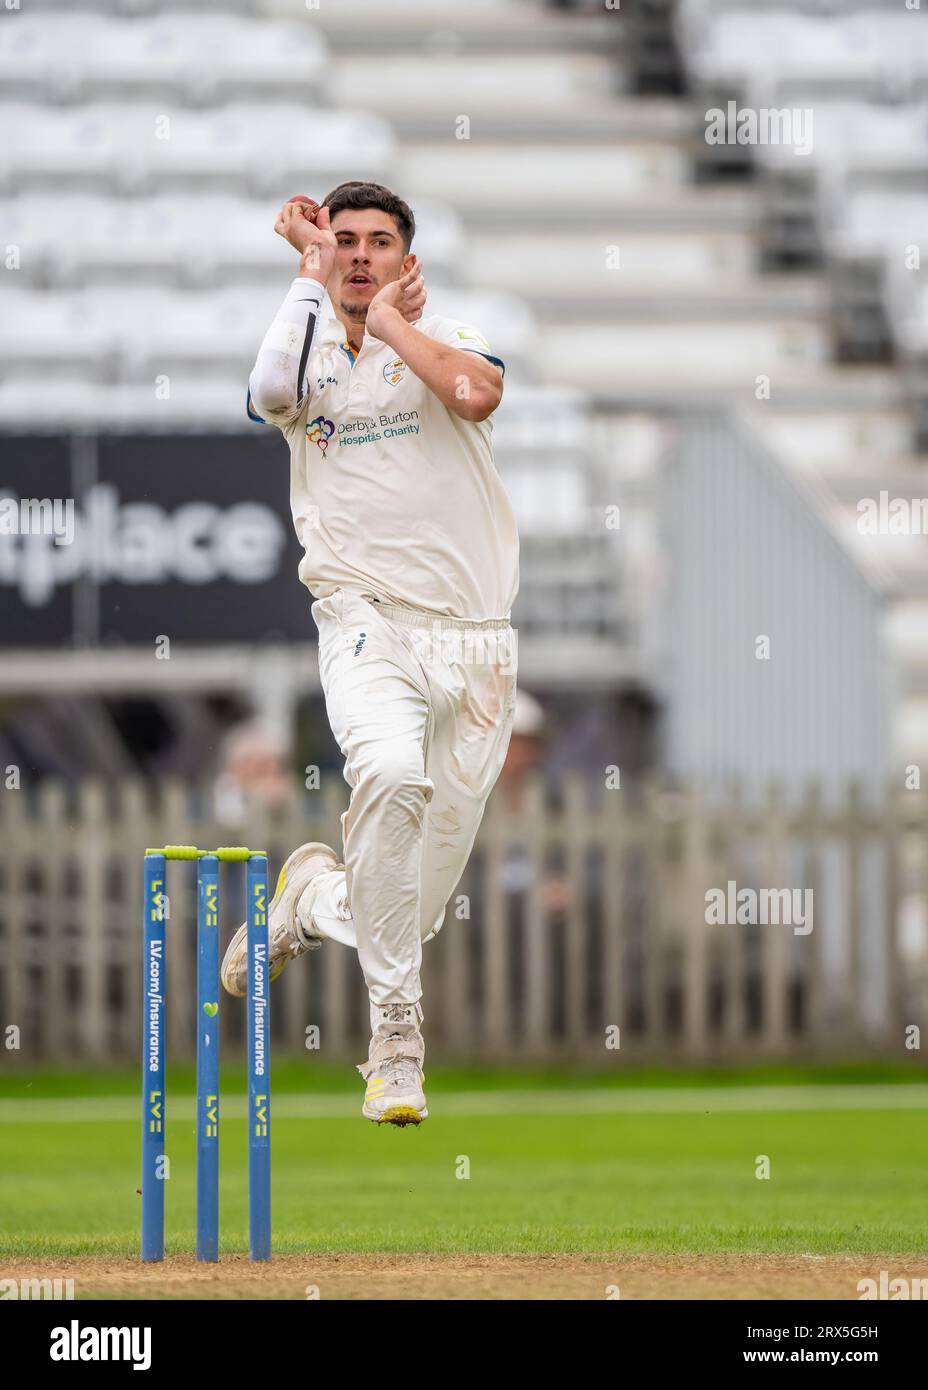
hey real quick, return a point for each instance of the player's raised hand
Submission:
(305, 225)
(406, 296)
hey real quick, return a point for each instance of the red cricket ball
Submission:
(302, 198)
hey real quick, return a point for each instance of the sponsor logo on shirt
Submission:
(320, 431)
(368, 430)
(394, 371)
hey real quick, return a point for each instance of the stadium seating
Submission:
(625, 270)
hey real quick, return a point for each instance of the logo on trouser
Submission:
(360, 643)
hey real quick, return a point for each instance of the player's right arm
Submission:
(277, 381)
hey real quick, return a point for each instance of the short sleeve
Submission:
(465, 337)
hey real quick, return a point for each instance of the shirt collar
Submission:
(334, 332)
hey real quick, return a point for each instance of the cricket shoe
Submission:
(287, 938)
(394, 1077)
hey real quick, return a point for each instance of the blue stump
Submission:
(208, 1057)
(154, 992)
(259, 1062)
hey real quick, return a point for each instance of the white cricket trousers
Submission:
(422, 710)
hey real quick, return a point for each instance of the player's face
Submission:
(370, 255)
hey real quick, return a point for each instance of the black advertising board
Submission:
(124, 538)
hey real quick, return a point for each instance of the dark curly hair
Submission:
(358, 194)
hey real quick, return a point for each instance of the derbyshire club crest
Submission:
(394, 371)
(320, 431)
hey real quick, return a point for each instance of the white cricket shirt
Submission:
(392, 493)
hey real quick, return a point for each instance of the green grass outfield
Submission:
(569, 1160)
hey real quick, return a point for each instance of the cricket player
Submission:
(412, 555)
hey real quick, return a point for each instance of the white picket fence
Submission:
(627, 967)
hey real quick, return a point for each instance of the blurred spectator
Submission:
(526, 748)
(252, 766)
(523, 761)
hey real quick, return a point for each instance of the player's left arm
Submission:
(465, 381)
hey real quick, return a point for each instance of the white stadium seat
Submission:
(194, 238)
(83, 146)
(668, 360)
(73, 327)
(852, 134)
(199, 330)
(28, 401)
(55, 236)
(194, 56)
(761, 48)
(666, 262)
(40, 54)
(602, 175)
(877, 220)
(128, 147)
(543, 439)
(505, 320)
(533, 419)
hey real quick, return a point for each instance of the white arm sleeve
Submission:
(277, 379)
